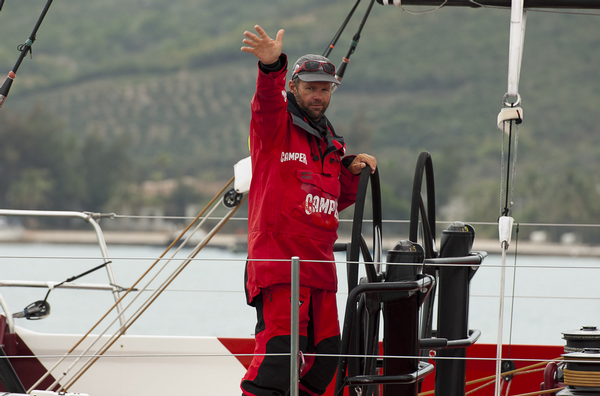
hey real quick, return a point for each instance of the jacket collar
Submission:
(321, 130)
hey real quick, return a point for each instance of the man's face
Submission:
(312, 97)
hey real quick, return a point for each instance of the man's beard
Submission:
(312, 114)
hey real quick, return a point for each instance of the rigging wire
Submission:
(507, 183)
(131, 320)
(122, 329)
(512, 307)
(490, 223)
(151, 300)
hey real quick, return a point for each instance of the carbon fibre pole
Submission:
(353, 44)
(24, 48)
(337, 35)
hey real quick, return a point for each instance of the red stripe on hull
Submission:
(240, 346)
(480, 366)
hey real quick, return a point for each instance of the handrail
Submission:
(444, 343)
(87, 217)
(51, 285)
(464, 343)
(423, 370)
(473, 258)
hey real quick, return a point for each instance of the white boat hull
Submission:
(144, 365)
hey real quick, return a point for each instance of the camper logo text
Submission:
(293, 157)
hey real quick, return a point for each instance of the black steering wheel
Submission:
(365, 331)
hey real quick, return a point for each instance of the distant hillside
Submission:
(167, 78)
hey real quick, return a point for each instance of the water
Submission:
(553, 294)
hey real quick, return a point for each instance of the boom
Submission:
(563, 4)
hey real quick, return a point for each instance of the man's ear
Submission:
(292, 87)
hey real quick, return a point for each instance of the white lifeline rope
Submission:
(506, 117)
(505, 224)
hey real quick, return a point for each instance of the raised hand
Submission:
(262, 46)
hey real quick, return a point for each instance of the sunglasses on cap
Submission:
(311, 66)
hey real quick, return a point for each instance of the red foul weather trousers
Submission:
(319, 334)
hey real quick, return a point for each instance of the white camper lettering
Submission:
(316, 204)
(293, 157)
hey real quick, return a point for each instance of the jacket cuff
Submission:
(347, 178)
(347, 160)
(280, 64)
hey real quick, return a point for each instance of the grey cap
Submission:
(317, 75)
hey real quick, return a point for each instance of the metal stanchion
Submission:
(294, 332)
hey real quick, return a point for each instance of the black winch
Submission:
(578, 340)
(582, 373)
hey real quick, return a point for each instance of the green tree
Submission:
(105, 168)
(32, 188)
(44, 167)
(36, 161)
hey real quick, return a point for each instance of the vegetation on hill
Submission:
(121, 92)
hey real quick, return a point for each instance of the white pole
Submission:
(518, 18)
(500, 323)
(505, 224)
(294, 329)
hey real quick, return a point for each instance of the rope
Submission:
(71, 279)
(492, 379)
(582, 378)
(132, 287)
(500, 320)
(531, 371)
(512, 306)
(502, 176)
(481, 387)
(513, 371)
(514, 168)
(182, 267)
(140, 310)
(508, 387)
(542, 392)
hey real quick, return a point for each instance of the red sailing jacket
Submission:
(297, 190)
